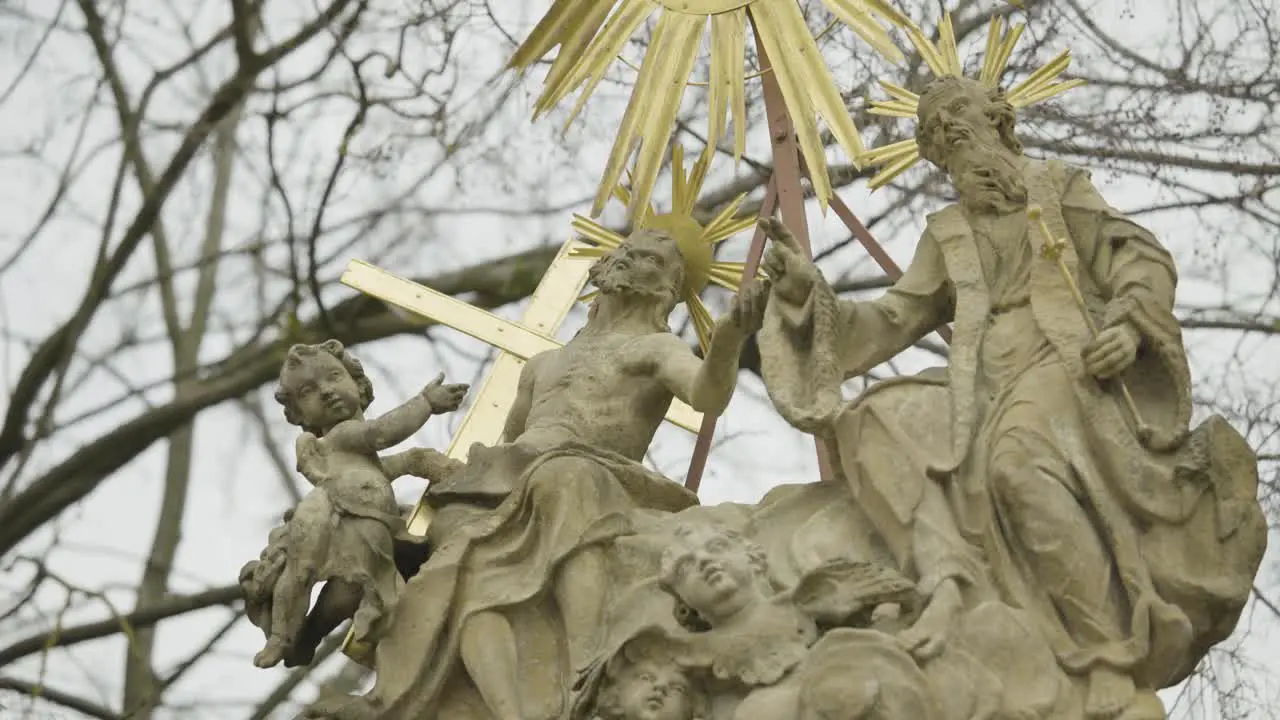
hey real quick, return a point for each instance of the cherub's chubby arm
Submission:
(424, 463)
(397, 425)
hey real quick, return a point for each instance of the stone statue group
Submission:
(1033, 531)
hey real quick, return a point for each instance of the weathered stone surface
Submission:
(1064, 457)
(343, 531)
(512, 599)
(1033, 531)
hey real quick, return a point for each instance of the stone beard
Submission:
(976, 146)
(648, 266)
(988, 181)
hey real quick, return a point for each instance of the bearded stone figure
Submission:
(1134, 544)
(509, 605)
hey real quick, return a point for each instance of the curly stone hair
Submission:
(298, 354)
(998, 111)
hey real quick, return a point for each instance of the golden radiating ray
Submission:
(729, 229)
(725, 217)
(943, 59)
(728, 275)
(728, 89)
(595, 251)
(702, 321)
(590, 34)
(696, 241)
(596, 233)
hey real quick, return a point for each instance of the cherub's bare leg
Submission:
(488, 652)
(288, 611)
(338, 601)
(307, 543)
(367, 616)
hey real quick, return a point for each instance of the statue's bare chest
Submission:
(594, 365)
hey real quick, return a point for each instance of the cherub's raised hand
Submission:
(793, 274)
(444, 398)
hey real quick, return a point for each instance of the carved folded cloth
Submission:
(504, 560)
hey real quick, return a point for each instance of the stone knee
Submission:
(567, 494)
(1013, 478)
(1031, 491)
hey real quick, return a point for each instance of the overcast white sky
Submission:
(234, 494)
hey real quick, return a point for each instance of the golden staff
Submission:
(1052, 249)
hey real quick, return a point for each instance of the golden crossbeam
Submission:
(514, 338)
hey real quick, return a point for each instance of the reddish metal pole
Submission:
(787, 192)
(702, 447)
(786, 171)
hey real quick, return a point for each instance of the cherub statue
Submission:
(643, 682)
(719, 581)
(343, 530)
(750, 643)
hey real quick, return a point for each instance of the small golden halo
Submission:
(696, 241)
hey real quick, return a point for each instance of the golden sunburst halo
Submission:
(943, 60)
(697, 242)
(591, 33)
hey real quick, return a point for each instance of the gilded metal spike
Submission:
(943, 59)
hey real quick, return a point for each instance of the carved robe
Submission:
(503, 559)
(1177, 517)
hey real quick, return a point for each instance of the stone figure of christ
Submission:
(610, 388)
(573, 444)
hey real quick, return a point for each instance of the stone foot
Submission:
(927, 637)
(1110, 692)
(272, 653)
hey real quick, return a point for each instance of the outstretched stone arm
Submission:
(873, 332)
(717, 376)
(812, 340)
(423, 463)
(378, 434)
(706, 385)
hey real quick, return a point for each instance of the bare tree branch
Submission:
(167, 608)
(37, 692)
(46, 358)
